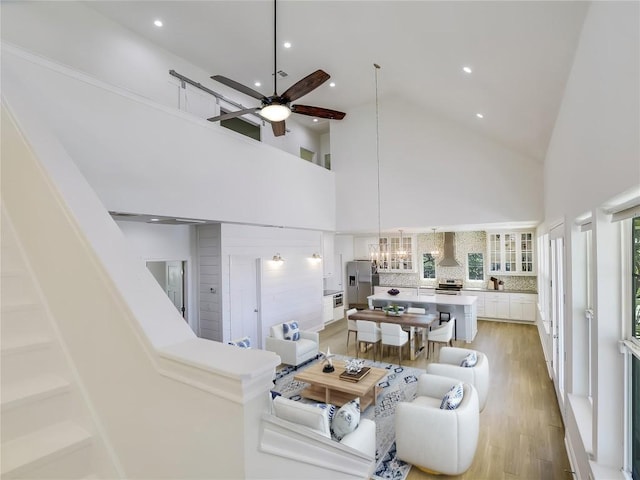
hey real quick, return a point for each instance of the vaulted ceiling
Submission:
(520, 53)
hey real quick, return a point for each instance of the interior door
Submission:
(244, 299)
(171, 275)
(175, 284)
(556, 258)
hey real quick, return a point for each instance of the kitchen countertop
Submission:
(476, 289)
(437, 298)
(326, 293)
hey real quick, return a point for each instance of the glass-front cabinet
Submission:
(511, 253)
(396, 254)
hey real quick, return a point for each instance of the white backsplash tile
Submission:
(465, 243)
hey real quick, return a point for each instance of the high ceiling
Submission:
(520, 53)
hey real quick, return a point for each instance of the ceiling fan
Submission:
(276, 108)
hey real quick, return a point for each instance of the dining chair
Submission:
(441, 334)
(352, 326)
(393, 335)
(369, 333)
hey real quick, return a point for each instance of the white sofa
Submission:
(309, 416)
(293, 352)
(434, 439)
(449, 366)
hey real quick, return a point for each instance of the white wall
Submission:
(290, 291)
(594, 155)
(167, 242)
(141, 157)
(433, 172)
(594, 152)
(80, 37)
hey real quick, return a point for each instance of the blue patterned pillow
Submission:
(242, 343)
(330, 410)
(452, 398)
(290, 331)
(346, 419)
(470, 360)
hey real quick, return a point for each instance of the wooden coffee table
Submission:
(329, 388)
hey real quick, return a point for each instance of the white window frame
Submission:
(483, 267)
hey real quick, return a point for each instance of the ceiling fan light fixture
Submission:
(275, 112)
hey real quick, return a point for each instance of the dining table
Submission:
(413, 322)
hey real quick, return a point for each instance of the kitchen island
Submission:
(462, 307)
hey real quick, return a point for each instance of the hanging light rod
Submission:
(376, 68)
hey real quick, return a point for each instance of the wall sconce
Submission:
(278, 259)
(316, 257)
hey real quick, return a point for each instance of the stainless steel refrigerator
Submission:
(360, 283)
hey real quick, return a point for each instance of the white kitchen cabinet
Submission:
(496, 305)
(328, 261)
(397, 254)
(327, 308)
(511, 253)
(522, 306)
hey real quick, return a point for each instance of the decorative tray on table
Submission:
(393, 310)
(354, 376)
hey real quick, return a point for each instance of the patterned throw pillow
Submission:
(470, 360)
(330, 410)
(346, 419)
(290, 331)
(452, 398)
(242, 343)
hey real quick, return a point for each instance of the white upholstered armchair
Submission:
(292, 352)
(450, 366)
(435, 439)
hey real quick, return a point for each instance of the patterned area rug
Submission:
(399, 385)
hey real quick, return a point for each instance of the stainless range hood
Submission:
(449, 251)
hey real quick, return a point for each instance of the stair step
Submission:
(32, 389)
(22, 319)
(16, 286)
(23, 343)
(38, 448)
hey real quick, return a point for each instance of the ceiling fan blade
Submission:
(278, 128)
(306, 85)
(239, 113)
(238, 86)
(317, 112)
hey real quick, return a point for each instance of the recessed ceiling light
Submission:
(157, 23)
(257, 84)
(332, 84)
(287, 44)
(315, 119)
(479, 115)
(154, 220)
(467, 69)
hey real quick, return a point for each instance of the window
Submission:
(241, 126)
(428, 266)
(327, 161)
(475, 264)
(307, 155)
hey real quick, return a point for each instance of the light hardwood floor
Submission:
(521, 429)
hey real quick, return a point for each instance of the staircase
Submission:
(46, 429)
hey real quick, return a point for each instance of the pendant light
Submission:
(401, 253)
(434, 249)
